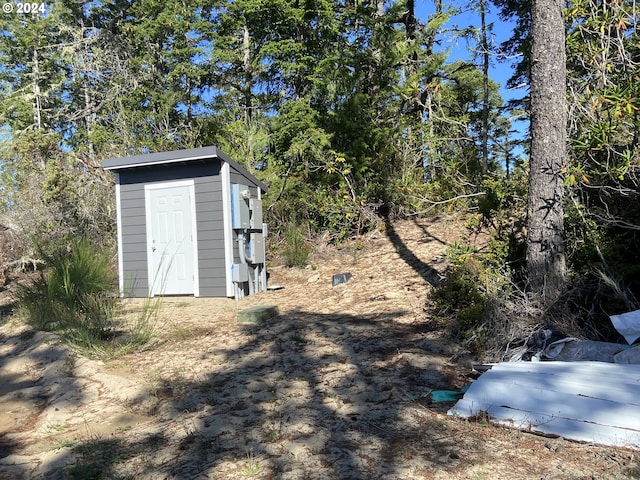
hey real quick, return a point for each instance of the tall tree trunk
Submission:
(546, 265)
(431, 38)
(37, 107)
(411, 25)
(485, 88)
(89, 120)
(248, 74)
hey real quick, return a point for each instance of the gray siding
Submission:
(209, 214)
(211, 266)
(134, 239)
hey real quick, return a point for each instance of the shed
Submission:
(189, 223)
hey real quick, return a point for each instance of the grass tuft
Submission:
(297, 250)
(76, 294)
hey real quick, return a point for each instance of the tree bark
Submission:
(485, 87)
(248, 74)
(37, 107)
(546, 267)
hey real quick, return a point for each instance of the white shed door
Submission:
(170, 238)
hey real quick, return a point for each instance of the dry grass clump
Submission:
(513, 318)
(492, 316)
(496, 319)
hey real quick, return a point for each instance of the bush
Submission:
(297, 251)
(76, 293)
(459, 303)
(484, 309)
(461, 287)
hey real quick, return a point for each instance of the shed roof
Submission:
(178, 156)
(587, 401)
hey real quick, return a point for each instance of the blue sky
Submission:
(460, 49)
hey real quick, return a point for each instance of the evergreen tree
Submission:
(546, 267)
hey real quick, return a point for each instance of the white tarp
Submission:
(628, 325)
(587, 401)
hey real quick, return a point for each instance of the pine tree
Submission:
(546, 267)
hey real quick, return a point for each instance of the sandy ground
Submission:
(336, 387)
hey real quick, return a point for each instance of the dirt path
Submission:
(335, 387)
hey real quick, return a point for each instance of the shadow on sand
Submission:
(25, 393)
(307, 395)
(426, 271)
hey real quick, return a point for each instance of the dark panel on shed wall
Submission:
(133, 286)
(134, 239)
(214, 283)
(210, 258)
(212, 238)
(168, 172)
(136, 232)
(210, 217)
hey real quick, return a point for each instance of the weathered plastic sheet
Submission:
(627, 325)
(572, 350)
(587, 401)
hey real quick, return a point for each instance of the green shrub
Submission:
(459, 253)
(76, 293)
(460, 288)
(459, 302)
(472, 316)
(297, 251)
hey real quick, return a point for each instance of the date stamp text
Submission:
(24, 7)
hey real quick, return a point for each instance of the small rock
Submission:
(554, 446)
(340, 278)
(313, 278)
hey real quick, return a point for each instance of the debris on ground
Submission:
(340, 278)
(596, 402)
(578, 389)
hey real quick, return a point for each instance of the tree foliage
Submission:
(602, 178)
(340, 106)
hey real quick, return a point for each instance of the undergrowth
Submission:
(484, 302)
(76, 294)
(483, 308)
(296, 250)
